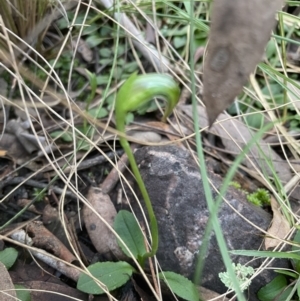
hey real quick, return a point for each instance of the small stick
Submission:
(113, 177)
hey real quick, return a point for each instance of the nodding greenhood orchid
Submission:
(135, 92)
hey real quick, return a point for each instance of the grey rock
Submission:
(175, 187)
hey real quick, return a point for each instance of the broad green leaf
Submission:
(129, 118)
(105, 31)
(94, 40)
(272, 89)
(130, 67)
(117, 73)
(180, 286)
(22, 292)
(105, 52)
(102, 79)
(271, 49)
(273, 289)
(90, 29)
(255, 120)
(8, 257)
(128, 229)
(111, 274)
(179, 42)
(95, 112)
(65, 136)
(286, 255)
(62, 23)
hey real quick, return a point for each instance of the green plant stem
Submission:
(207, 189)
(142, 187)
(135, 92)
(283, 46)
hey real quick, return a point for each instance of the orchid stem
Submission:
(135, 92)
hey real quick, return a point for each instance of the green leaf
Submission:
(90, 29)
(22, 292)
(65, 136)
(93, 83)
(129, 118)
(147, 107)
(8, 257)
(128, 229)
(102, 79)
(255, 120)
(117, 73)
(111, 274)
(272, 89)
(179, 42)
(95, 112)
(180, 286)
(94, 40)
(271, 254)
(130, 67)
(105, 52)
(105, 31)
(62, 23)
(273, 289)
(271, 48)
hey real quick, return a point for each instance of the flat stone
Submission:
(175, 187)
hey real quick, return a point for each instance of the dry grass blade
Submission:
(22, 19)
(149, 51)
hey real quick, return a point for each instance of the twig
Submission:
(35, 184)
(94, 161)
(113, 177)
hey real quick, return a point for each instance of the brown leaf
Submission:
(171, 131)
(280, 226)
(207, 294)
(3, 153)
(83, 49)
(235, 135)
(145, 136)
(28, 141)
(101, 236)
(12, 148)
(239, 32)
(48, 291)
(7, 289)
